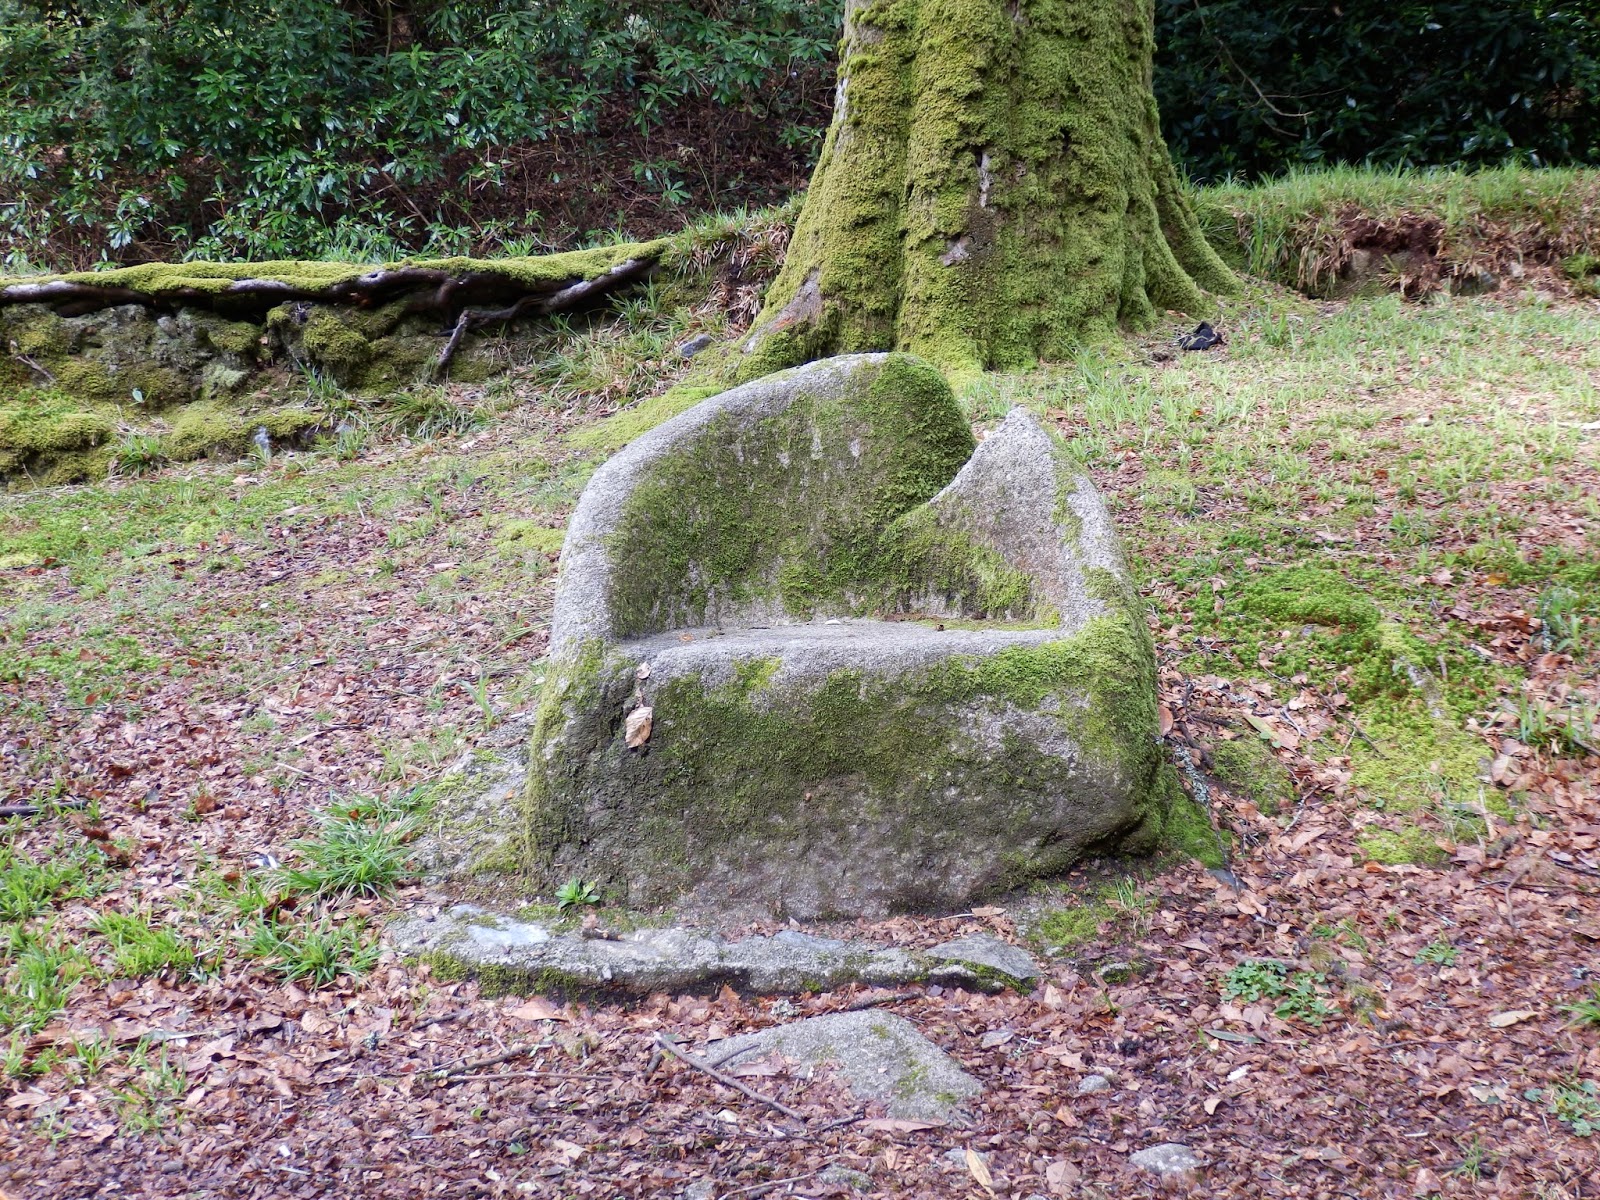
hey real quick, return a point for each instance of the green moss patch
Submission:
(1409, 844)
(1251, 770)
(617, 430)
(760, 514)
(45, 434)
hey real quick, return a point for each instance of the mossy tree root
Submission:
(994, 190)
(455, 290)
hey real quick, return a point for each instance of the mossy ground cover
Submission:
(207, 655)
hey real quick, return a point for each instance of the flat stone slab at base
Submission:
(510, 955)
(991, 956)
(880, 1057)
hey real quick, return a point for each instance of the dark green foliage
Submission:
(316, 128)
(1249, 87)
(290, 128)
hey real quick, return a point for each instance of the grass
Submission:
(146, 1103)
(39, 961)
(1586, 1011)
(316, 952)
(358, 849)
(140, 948)
(1288, 229)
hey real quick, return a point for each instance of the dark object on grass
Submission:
(32, 810)
(1203, 338)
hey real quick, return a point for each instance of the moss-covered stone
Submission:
(617, 430)
(786, 510)
(850, 765)
(48, 437)
(157, 279)
(202, 429)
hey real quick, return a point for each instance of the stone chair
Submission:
(816, 653)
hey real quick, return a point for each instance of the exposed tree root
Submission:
(446, 290)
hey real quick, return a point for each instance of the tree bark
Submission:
(994, 190)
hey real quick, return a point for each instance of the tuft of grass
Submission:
(38, 981)
(138, 454)
(145, 1105)
(29, 888)
(1439, 952)
(317, 953)
(141, 948)
(359, 849)
(429, 413)
(1585, 1011)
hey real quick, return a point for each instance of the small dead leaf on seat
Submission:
(1505, 1019)
(637, 730)
(537, 1008)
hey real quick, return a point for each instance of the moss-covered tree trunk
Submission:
(994, 190)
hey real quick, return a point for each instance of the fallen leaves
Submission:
(1507, 1019)
(537, 1008)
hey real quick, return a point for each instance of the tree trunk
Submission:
(994, 190)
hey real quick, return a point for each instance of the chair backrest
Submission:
(762, 505)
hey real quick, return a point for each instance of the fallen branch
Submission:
(663, 1042)
(574, 295)
(755, 1189)
(535, 1074)
(1578, 867)
(33, 366)
(442, 1018)
(450, 289)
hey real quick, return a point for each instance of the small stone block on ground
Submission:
(880, 1057)
(988, 956)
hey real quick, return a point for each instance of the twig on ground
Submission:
(879, 1001)
(443, 1018)
(755, 1189)
(664, 1042)
(490, 1060)
(533, 1074)
(1578, 867)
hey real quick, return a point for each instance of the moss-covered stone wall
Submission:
(177, 360)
